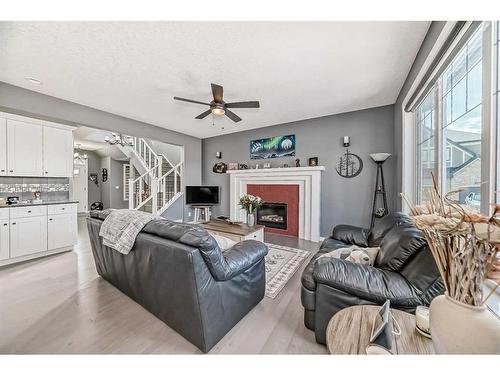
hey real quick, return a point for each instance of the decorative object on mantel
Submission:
(220, 167)
(285, 165)
(218, 155)
(465, 246)
(297, 162)
(233, 166)
(267, 165)
(349, 165)
(243, 166)
(380, 212)
(275, 147)
(250, 203)
(313, 162)
(119, 139)
(104, 175)
(257, 166)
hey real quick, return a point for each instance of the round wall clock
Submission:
(349, 165)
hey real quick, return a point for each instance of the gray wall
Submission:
(343, 200)
(17, 100)
(429, 41)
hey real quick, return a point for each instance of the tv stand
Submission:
(198, 209)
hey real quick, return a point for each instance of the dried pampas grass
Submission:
(464, 244)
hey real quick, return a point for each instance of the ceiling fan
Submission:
(219, 107)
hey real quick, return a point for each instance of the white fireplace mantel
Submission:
(307, 178)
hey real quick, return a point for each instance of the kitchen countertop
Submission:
(46, 203)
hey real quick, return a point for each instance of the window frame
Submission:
(490, 180)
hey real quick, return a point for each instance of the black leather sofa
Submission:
(177, 272)
(404, 272)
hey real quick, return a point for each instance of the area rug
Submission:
(281, 263)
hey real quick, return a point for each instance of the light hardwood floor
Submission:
(60, 305)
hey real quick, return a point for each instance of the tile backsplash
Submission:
(52, 189)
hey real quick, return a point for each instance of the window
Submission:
(461, 123)
(449, 128)
(425, 146)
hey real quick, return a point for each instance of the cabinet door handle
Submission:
(29, 212)
(10, 170)
(46, 172)
(3, 170)
(5, 225)
(50, 219)
(13, 223)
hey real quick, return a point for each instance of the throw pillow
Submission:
(355, 254)
(223, 242)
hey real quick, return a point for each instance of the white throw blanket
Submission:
(121, 227)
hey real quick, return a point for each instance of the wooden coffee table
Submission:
(349, 332)
(236, 232)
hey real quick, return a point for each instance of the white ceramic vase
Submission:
(458, 328)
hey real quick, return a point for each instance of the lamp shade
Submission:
(380, 156)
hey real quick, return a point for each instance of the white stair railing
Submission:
(153, 187)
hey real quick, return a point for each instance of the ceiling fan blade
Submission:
(252, 104)
(189, 100)
(233, 116)
(217, 91)
(203, 115)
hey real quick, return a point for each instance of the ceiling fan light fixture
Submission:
(219, 111)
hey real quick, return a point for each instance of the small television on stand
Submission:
(202, 198)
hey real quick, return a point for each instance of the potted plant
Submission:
(250, 203)
(465, 246)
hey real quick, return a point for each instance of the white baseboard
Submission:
(41, 254)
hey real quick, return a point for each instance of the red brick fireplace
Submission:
(282, 194)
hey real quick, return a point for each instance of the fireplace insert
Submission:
(273, 215)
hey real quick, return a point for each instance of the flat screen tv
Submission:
(202, 195)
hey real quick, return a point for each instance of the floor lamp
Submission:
(380, 212)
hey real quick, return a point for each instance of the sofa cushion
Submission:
(350, 234)
(366, 282)
(330, 244)
(398, 246)
(383, 226)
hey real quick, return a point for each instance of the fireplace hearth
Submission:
(273, 215)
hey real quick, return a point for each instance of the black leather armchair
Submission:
(178, 273)
(404, 272)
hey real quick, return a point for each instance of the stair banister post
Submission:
(175, 181)
(130, 194)
(154, 192)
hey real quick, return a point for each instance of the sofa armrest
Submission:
(366, 282)
(351, 235)
(240, 257)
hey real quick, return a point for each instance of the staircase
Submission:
(159, 183)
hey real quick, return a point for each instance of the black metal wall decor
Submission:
(104, 175)
(349, 165)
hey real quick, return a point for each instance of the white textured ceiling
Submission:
(297, 70)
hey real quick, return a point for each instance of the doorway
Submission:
(80, 185)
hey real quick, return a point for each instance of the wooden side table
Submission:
(349, 332)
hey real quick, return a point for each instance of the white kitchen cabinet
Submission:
(61, 231)
(28, 235)
(3, 147)
(57, 152)
(4, 239)
(24, 149)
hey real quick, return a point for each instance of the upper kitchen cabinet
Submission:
(3, 149)
(34, 148)
(57, 152)
(24, 149)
